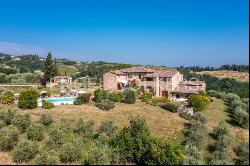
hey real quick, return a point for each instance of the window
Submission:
(129, 75)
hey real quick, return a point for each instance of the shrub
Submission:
(108, 127)
(242, 151)
(70, 152)
(199, 102)
(105, 105)
(185, 116)
(47, 105)
(35, 132)
(28, 99)
(129, 96)
(24, 151)
(163, 153)
(132, 142)
(115, 96)
(21, 121)
(241, 117)
(196, 134)
(46, 119)
(77, 101)
(99, 154)
(220, 158)
(8, 138)
(84, 127)
(7, 116)
(7, 97)
(55, 134)
(100, 94)
(220, 130)
(192, 155)
(2, 124)
(170, 107)
(146, 96)
(198, 116)
(85, 97)
(45, 157)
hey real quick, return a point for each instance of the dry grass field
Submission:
(239, 76)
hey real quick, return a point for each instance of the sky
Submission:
(156, 32)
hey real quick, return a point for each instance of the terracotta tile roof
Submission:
(162, 73)
(137, 69)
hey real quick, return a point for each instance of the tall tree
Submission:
(49, 68)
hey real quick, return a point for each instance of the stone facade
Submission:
(160, 82)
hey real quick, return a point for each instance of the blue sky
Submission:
(160, 32)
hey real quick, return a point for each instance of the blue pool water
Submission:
(63, 99)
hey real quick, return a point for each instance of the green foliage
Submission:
(100, 94)
(242, 151)
(192, 155)
(170, 107)
(84, 127)
(2, 78)
(132, 142)
(105, 105)
(129, 96)
(70, 152)
(21, 121)
(49, 68)
(241, 117)
(47, 105)
(185, 116)
(220, 130)
(115, 96)
(9, 137)
(198, 102)
(35, 132)
(45, 157)
(220, 158)
(56, 134)
(24, 151)
(198, 116)
(196, 134)
(146, 96)
(7, 97)
(99, 154)
(2, 124)
(46, 119)
(108, 127)
(82, 99)
(28, 99)
(162, 153)
(7, 71)
(7, 116)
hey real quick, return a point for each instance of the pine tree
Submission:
(49, 68)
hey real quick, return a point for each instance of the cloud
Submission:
(20, 49)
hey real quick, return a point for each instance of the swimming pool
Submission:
(58, 101)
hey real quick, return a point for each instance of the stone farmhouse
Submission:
(161, 82)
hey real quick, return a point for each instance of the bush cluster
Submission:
(35, 132)
(100, 94)
(105, 105)
(21, 121)
(47, 105)
(45, 157)
(146, 96)
(115, 96)
(9, 137)
(170, 107)
(24, 151)
(7, 116)
(84, 127)
(129, 96)
(46, 119)
(70, 152)
(7, 97)
(82, 99)
(28, 99)
(198, 101)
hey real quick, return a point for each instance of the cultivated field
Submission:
(239, 76)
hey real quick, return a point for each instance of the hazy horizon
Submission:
(161, 32)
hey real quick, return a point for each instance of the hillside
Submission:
(239, 76)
